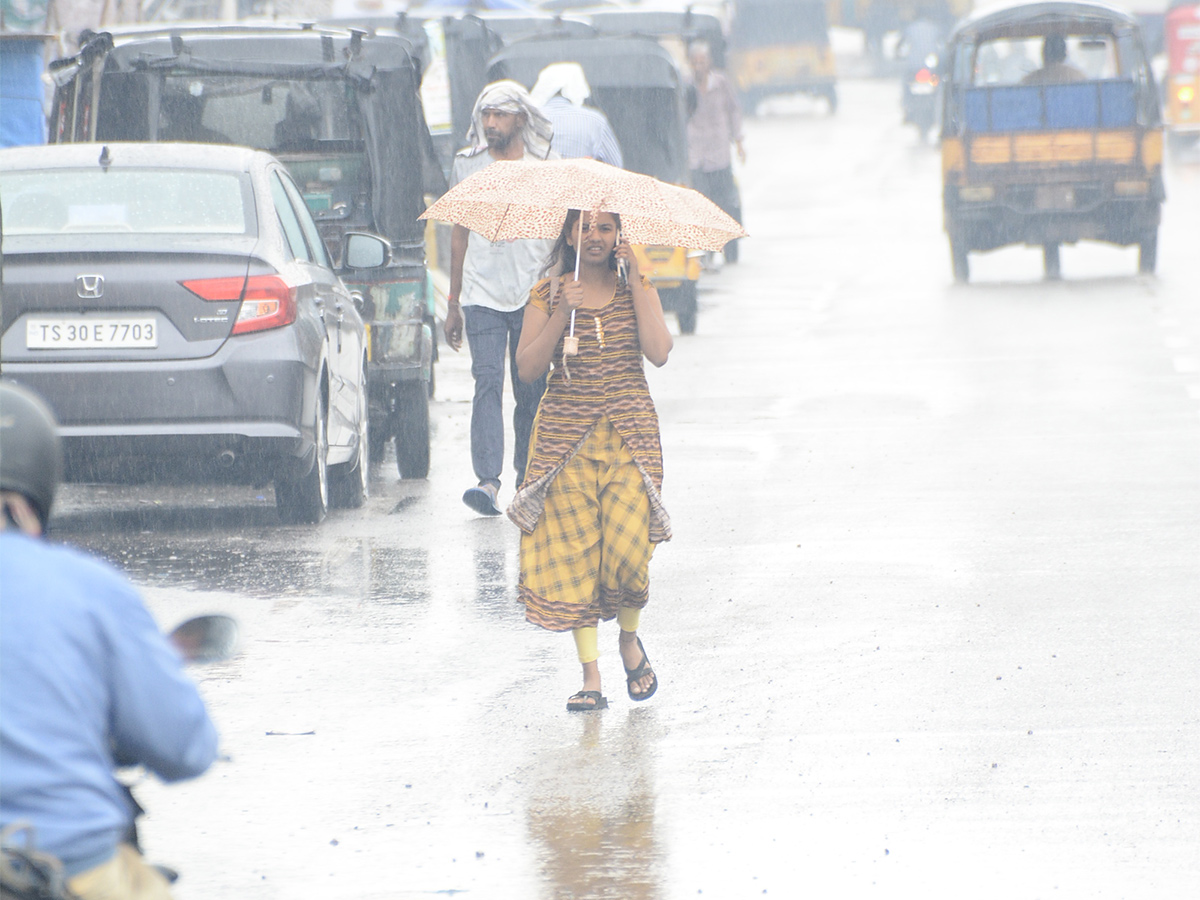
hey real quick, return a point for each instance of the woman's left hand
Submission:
(624, 253)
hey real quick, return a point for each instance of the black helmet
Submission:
(30, 458)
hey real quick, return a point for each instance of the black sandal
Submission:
(632, 675)
(579, 702)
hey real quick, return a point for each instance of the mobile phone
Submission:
(620, 262)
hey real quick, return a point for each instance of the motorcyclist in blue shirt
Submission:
(87, 681)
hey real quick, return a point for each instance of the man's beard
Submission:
(497, 141)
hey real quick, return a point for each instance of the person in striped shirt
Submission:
(579, 130)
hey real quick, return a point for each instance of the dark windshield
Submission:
(253, 111)
(779, 22)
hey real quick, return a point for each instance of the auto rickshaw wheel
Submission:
(958, 258)
(1148, 253)
(1052, 261)
(412, 429)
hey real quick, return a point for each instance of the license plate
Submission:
(920, 88)
(1055, 196)
(91, 333)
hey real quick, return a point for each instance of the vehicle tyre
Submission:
(1148, 253)
(686, 307)
(412, 429)
(962, 267)
(1052, 260)
(348, 483)
(831, 95)
(306, 499)
(378, 435)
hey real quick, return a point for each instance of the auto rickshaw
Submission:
(340, 109)
(781, 47)
(1051, 133)
(1181, 36)
(637, 84)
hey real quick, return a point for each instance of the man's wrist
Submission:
(452, 301)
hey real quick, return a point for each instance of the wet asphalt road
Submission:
(928, 626)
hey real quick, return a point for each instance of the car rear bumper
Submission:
(244, 414)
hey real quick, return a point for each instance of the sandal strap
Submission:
(641, 668)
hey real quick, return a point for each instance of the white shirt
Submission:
(497, 274)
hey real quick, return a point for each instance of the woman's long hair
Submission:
(562, 257)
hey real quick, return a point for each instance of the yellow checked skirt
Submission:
(590, 552)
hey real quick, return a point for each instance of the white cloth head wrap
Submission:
(564, 78)
(510, 97)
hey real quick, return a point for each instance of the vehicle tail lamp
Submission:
(924, 76)
(979, 193)
(267, 300)
(1186, 94)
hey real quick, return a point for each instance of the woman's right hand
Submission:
(570, 295)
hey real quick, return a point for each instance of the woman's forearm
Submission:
(539, 337)
(653, 334)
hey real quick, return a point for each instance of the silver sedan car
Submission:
(175, 306)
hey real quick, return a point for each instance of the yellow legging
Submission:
(587, 640)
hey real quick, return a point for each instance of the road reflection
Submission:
(591, 814)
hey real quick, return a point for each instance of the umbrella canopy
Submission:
(514, 200)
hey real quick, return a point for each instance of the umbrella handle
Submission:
(578, 251)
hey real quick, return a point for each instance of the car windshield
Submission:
(254, 111)
(134, 201)
(1022, 60)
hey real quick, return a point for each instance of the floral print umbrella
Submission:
(518, 199)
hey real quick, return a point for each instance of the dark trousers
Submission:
(721, 189)
(489, 332)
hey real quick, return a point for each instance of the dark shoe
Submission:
(482, 499)
(642, 669)
(586, 701)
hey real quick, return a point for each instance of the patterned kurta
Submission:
(590, 507)
(606, 378)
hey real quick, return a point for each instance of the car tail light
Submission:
(924, 76)
(1186, 94)
(267, 300)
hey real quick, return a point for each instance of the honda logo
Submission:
(89, 287)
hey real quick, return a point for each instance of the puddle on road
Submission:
(353, 568)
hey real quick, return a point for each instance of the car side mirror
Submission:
(365, 251)
(206, 639)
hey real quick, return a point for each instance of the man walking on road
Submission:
(489, 287)
(715, 122)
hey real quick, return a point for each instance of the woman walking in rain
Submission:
(590, 507)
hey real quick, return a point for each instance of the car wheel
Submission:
(412, 429)
(1148, 253)
(1053, 262)
(348, 483)
(306, 499)
(962, 266)
(686, 307)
